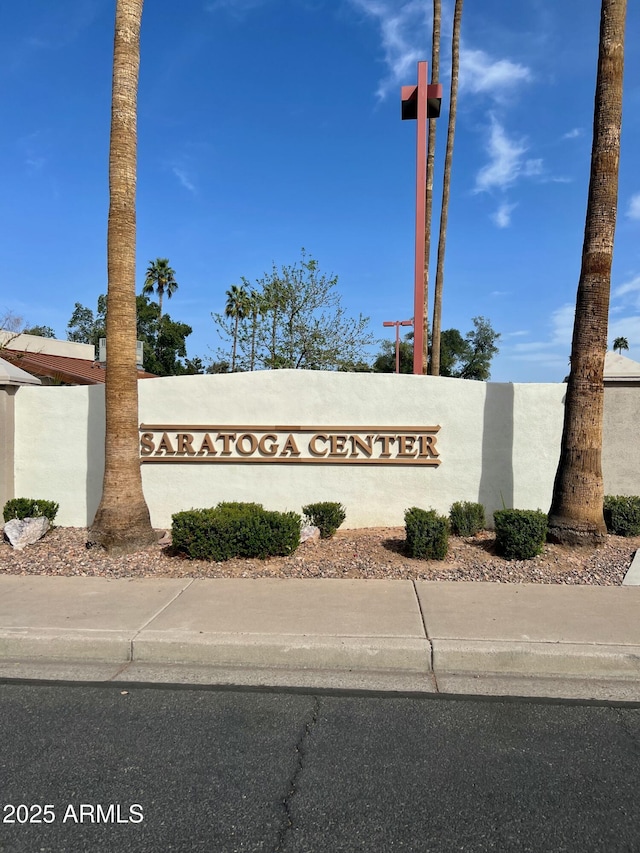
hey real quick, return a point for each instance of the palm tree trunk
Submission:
(431, 153)
(254, 331)
(122, 521)
(576, 515)
(436, 326)
(235, 342)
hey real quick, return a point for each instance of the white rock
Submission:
(309, 533)
(26, 531)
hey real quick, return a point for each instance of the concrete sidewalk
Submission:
(468, 638)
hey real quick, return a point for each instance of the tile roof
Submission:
(71, 371)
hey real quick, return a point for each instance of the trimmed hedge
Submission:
(466, 518)
(622, 514)
(520, 533)
(235, 530)
(327, 516)
(427, 534)
(29, 508)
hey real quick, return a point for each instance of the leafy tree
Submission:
(11, 326)
(85, 327)
(164, 340)
(385, 362)
(40, 331)
(194, 366)
(218, 367)
(621, 344)
(298, 323)
(480, 349)
(463, 358)
(576, 514)
(160, 279)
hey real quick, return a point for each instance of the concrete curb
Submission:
(112, 647)
(535, 660)
(401, 655)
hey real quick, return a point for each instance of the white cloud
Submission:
(573, 134)
(404, 30)
(502, 216)
(481, 74)
(184, 178)
(507, 161)
(557, 346)
(627, 293)
(633, 211)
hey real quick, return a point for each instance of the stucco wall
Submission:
(497, 442)
(621, 445)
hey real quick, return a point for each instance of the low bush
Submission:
(235, 530)
(29, 508)
(622, 514)
(520, 533)
(427, 534)
(327, 516)
(466, 518)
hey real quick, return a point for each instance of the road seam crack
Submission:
(301, 752)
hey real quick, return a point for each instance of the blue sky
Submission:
(270, 125)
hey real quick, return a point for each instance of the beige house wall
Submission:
(7, 448)
(621, 444)
(497, 443)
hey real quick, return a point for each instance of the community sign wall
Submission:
(377, 443)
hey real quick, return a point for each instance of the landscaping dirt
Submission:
(366, 553)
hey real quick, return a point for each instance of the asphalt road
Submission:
(98, 769)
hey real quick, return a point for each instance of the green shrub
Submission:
(327, 516)
(235, 530)
(466, 518)
(622, 514)
(520, 533)
(427, 534)
(29, 508)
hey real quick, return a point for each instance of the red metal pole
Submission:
(421, 182)
(420, 102)
(397, 324)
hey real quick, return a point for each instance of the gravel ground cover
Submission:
(364, 553)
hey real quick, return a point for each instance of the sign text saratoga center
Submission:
(360, 445)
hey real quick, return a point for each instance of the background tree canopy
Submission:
(164, 340)
(292, 318)
(463, 358)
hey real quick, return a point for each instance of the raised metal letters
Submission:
(359, 445)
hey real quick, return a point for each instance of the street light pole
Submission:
(397, 324)
(420, 102)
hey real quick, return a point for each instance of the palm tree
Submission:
(576, 514)
(237, 308)
(436, 326)
(122, 521)
(431, 153)
(255, 307)
(160, 279)
(621, 344)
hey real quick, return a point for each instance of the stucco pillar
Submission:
(7, 442)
